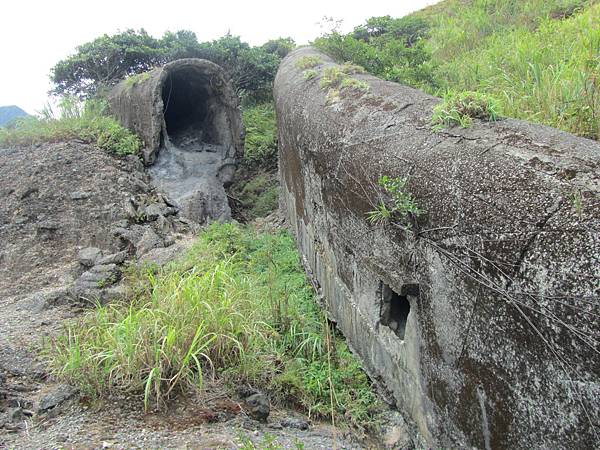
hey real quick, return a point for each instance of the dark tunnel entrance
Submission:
(191, 110)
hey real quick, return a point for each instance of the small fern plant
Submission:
(402, 202)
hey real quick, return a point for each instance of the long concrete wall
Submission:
(481, 319)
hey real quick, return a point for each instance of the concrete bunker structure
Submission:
(188, 116)
(479, 318)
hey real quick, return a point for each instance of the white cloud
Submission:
(35, 35)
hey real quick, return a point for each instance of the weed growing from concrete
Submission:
(353, 83)
(401, 203)
(308, 62)
(461, 108)
(133, 80)
(334, 76)
(310, 74)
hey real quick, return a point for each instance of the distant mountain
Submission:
(10, 113)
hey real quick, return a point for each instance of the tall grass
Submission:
(237, 308)
(459, 26)
(548, 75)
(87, 121)
(261, 135)
(539, 59)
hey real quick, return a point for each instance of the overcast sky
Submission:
(35, 35)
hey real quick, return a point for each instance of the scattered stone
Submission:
(140, 185)
(395, 433)
(162, 256)
(101, 275)
(163, 225)
(20, 220)
(48, 225)
(89, 256)
(27, 192)
(135, 163)
(123, 223)
(114, 258)
(258, 407)
(130, 209)
(295, 422)
(52, 400)
(79, 195)
(150, 240)
(52, 298)
(15, 414)
(156, 210)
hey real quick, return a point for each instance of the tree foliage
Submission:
(108, 59)
(390, 48)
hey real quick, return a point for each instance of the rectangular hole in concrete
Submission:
(394, 310)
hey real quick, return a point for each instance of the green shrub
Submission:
(461, 108)
(88, 122)
(261, 135)
(236, 307)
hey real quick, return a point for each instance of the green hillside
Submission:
(540, 59)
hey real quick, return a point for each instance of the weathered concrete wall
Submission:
(142, 102)
(501, 274)
(188, 115)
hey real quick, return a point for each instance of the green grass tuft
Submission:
(353, 83)
(310, 74)
(461, 108)
(338, 77)
(88, 122)
(308, 62)
(398, 206)
(236, 307)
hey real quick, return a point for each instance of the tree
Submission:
(279, 47)
(108, 59)
(104, 61)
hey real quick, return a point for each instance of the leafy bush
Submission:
(261, 135)
(461, 108)
(236, 307)
(88, 122)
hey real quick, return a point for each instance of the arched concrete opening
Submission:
(188, 115)
(193, 111)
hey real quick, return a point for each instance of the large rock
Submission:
(481, 317)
